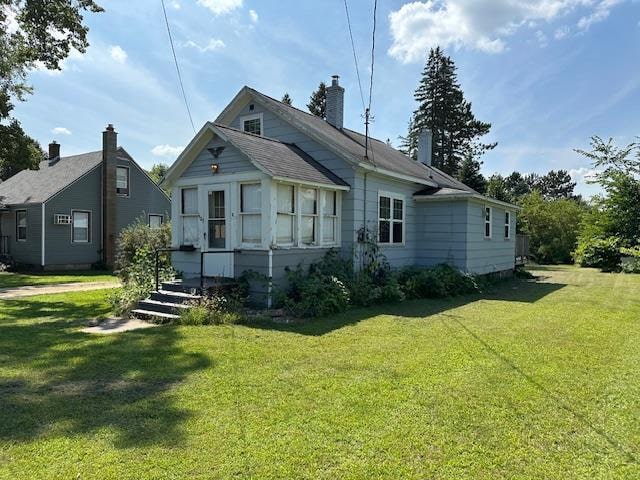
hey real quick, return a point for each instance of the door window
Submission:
(217, 233)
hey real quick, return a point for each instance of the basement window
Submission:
(122, 181)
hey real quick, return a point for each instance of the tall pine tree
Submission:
(469, 174)
(286, 98)
(318, 101)
(443, 109)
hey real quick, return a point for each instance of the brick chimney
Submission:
(109, 200)
(425, 147)
(54, 153)
(335, 103)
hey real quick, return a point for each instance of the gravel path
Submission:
(29, 290)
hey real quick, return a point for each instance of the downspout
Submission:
(43, 242)
(364, 214)
(270, 285)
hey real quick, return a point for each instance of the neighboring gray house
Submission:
(69, 212)
(273, 186)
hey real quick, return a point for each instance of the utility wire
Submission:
(355, 57)
(373, 50)
(175, 60)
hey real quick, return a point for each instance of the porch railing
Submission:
(4, 245)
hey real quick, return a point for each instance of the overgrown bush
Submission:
(214, 310)
(440, 281)
(602, 253)
(330, 286)
(135, 264)
(631, 260)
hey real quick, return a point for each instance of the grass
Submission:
(11, 279)
(531, 380)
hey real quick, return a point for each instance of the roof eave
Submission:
(465, 196)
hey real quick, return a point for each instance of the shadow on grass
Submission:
(550, 393)
(512, 290)
(71, 383)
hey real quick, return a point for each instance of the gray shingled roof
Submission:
(381, 155)
(37, 186)
(280, 159)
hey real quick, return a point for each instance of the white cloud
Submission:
(214, 44)
(220, 7)
(61, 131)
(253, 15)
(561, 32)
(175, 5)
(117, 53)
(582, 175)
(166, 151)
(600, 13)
(482, 25)
(542, 38)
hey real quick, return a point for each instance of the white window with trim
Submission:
(252, 123)
(21, 225)
(507, 225)
(286, 214)
(122, 181)
(329, 217)
(189, 216)
(155, 221)
(251, 213)
(488, 213)
(308, 215)
(80, 226)
(391, 215)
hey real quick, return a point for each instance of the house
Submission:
(69, 212)
(267, 186)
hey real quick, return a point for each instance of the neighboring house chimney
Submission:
(335, 103)
(109, 200)
(425, 147)
(54, 153)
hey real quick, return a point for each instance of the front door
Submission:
(217, 233)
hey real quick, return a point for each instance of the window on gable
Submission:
(21, 225)
(252, 124)
(487, 222)
(507, 225)
(81, 224)
(122, 181)
(390, 219)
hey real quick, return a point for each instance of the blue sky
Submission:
(548, 74)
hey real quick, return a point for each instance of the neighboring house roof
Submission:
(38, 186)
(279, 159)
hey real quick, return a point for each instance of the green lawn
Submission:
(532, 380)
(10, 279)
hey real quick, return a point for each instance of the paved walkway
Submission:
(29, 290)
(117, 325)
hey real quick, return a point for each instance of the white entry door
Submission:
(217, 232)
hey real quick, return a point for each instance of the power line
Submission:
(367, 112)
(175, 60)
(355, 57)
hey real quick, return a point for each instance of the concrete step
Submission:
(156, 317)
(179, 287)
(174, 297)
(162, 307)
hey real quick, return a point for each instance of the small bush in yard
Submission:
(631, 260)
(314, 294)
(603, 253)
(214, 310)
(135, 264)
(437, 282)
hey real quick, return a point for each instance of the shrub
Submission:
(440, 281)
(631, 262)
(314, 294)
(214, 310)
(135, 264)
(603, 253)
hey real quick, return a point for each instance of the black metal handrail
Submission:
(208, 252)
